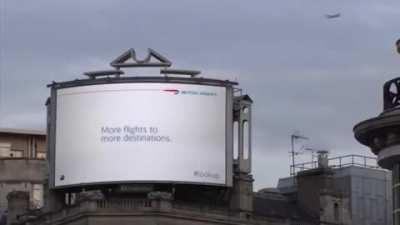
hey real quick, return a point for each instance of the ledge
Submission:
(22, 170)
(378, 126)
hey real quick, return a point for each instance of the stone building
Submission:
(361, 190)
(23, 165)
(316, 198)
(382, 135)
(321, 196)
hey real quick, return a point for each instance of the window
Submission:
(236, 140)
(16, 154)
(246, 140)
(37, 196)
(336, 211)
(41, 155)
(245, 110)
(5, 149)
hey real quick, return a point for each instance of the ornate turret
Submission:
(382, 135)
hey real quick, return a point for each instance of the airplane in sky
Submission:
(332, 16)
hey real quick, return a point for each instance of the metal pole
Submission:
(292, 139)
(292, 170)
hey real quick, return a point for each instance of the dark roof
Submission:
(244, 97)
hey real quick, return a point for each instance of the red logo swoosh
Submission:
(174, 91)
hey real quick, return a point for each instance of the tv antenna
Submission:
(295, 136)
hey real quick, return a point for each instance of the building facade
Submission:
(382, 135)
(23, 165)
(365, 189)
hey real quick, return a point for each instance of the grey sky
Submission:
(303, 71)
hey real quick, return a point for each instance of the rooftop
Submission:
(22, 131)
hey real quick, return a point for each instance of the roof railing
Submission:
(340, 162)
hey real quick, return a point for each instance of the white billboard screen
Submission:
(140, 132)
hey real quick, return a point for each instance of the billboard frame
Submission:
(52, 120)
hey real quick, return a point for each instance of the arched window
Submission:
(236, 140)
(246, 140)
(336, 211)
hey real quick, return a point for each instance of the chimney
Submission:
(323, 161)
(315, 183)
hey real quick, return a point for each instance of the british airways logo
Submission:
(185, 92)
(174, 91)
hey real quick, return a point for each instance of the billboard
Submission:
(140, 132)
